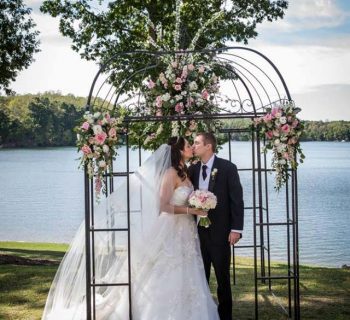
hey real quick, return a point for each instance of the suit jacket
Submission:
(229, 211)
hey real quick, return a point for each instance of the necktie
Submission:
(204, 171)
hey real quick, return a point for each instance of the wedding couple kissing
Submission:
(171, 253)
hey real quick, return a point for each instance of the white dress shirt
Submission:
(204, 184)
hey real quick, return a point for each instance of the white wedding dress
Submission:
(173, 285)
(167, 274)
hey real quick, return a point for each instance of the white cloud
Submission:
(326, 102)
(305, 67)
(310, 14)
(57, 67)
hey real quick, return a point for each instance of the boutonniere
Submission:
(214, 173)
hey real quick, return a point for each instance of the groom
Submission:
(220, 177)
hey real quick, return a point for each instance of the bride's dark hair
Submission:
(177, 145)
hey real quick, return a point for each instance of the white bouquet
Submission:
(203, 200)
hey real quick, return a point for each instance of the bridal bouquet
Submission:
(203, 200)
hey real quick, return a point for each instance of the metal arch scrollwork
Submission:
(247, 79)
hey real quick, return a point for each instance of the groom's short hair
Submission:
(208, 137)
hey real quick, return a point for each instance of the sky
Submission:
(310, 47)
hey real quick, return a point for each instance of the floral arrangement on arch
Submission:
(282, 130)
(97, 140)
(183, 88)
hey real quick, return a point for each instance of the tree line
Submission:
(48, 119)
(39, 120)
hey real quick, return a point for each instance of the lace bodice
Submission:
(180, 195)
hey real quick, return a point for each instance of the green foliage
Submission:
(18, 41)
(128, 25)
(326, 131)
(39, 120)
(324, 291)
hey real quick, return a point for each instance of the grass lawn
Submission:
(325, 292)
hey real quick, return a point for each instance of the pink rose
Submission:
(184, 74)
(178, 80)
(85, 126)
(86, 149)
(267, 117)
(151, 84)
(108, 117)
(292, 140)
(100, 138)
(285, 128)
(269, 134)
(177, 87)
(112, 132)
(174, 64)
(159, 113)
(190, 101)
(159, 101)
(286, 155)
(201, 69)
(257, 120)
(276, 133)
(99, 122)
(205, 94)
(179, 107)
(190, 67)
(275, 111)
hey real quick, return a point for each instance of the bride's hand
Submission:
(198, 212)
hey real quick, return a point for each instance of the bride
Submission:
(167, 274)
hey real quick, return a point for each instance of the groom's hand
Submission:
(233, 237)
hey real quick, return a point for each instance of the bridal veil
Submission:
(66, 299)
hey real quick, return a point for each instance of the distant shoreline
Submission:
(73, 146)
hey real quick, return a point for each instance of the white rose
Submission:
(282, 161)
(277, 142)
(193, 86)
(97, 129)
(178, 97)
(183, 93)
(283, 120)
(102, 164)
(281, 147)
(166, 97)
(97, 114)
(105, 148)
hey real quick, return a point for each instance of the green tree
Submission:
(99, 30)
(18, 41)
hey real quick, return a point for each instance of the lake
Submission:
(42, 197)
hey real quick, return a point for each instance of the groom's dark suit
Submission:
(227, 216)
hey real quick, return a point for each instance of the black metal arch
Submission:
(256, 84)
